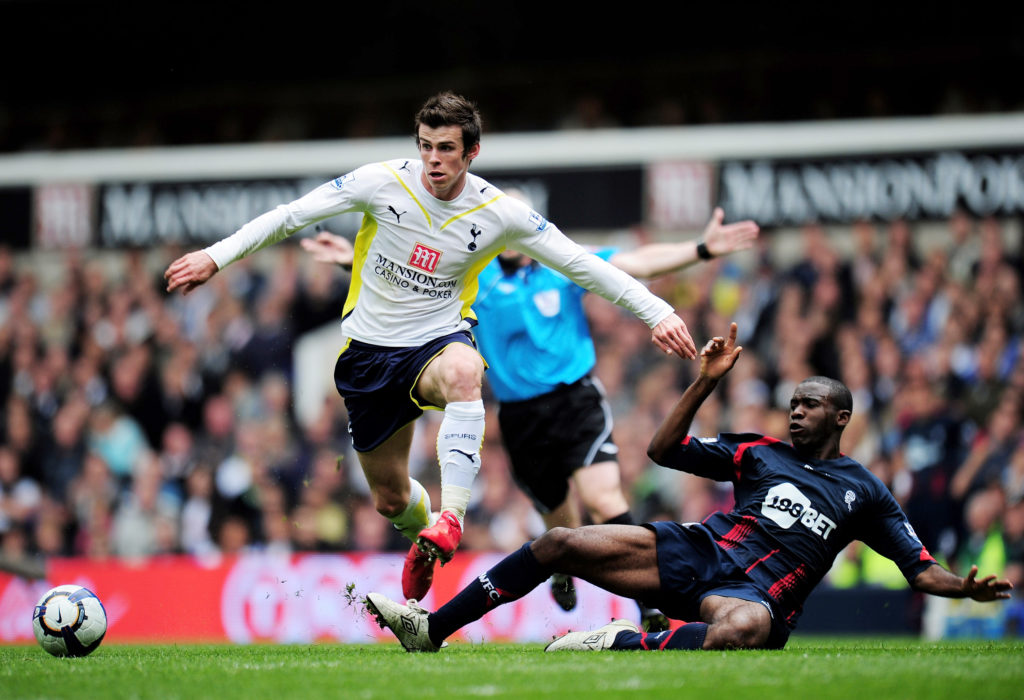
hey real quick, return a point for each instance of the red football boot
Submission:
(442, 538)
(417, 574)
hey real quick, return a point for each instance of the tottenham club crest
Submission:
(474, 232)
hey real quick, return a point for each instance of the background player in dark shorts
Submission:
(797, 506)
(550, 437)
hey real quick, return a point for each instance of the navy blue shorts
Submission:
(377, 384)
(693, 567)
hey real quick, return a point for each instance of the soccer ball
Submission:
(69, 621)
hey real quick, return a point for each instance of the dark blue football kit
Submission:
(792, 517)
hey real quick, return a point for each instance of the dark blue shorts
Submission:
(377, 384)
(692, 567)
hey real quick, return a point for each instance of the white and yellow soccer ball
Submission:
(69, 620)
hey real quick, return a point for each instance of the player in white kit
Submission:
(429, 227)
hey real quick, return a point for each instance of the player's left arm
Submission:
(545, 243)
(887, 531)
(718, 239)
(937, 580)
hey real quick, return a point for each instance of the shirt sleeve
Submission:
(888, 531)
(329, 199)
(717, 458)
(541, 240)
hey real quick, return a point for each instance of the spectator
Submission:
(99, 378)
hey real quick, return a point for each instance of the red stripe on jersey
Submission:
(764, 558)
(744, 446)
(926, 555)
(788, 582)
(765, 440)
(739, 532)
(685, 441)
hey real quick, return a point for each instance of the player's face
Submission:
(445, 161)
(812, 419)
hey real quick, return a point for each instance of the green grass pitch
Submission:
(862, 668)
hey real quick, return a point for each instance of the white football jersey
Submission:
(417, 258)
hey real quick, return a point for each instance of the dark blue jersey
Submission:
(793, 516)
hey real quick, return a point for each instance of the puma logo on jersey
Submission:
(398, 216)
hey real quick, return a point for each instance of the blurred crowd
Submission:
(137, 423)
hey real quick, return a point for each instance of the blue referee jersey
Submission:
(793, 516)
(532, 329)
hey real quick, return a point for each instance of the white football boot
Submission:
(594, 640)
(408, 622)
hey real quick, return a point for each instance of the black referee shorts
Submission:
(551, 436)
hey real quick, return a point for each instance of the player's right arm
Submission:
(716, 359)
(334, 197)
(189, 271)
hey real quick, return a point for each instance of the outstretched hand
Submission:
(330, 248)
(189, 271)
(672, 336)
(719, 355)
(724, 239)
(985, 589)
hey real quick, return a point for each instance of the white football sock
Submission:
(458, 453)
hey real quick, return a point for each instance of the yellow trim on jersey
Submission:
(344, 347)
(471, 287)
(455, 218)
(406, 188)
(367, 231)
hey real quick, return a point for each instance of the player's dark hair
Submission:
(838, 393)
(449, 109)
